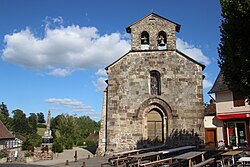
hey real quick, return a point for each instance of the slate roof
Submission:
(5, 133)
(219, 84)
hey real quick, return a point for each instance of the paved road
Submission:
(84, 156)
(91, 162)
(20, 165)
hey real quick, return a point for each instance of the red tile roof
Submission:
(5, 133)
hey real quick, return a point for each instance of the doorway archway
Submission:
(162, 114)
(155, 125)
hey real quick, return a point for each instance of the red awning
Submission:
(232, 116)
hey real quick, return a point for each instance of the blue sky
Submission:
(53, 53)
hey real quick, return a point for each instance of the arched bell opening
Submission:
(144, 40)
(162, 40)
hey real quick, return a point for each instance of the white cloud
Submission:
(61, 73)
(207, 84)
(51, 22)
(101, 72)
(65, 49)
(71, 47)
(192, 51)
(100, 84)
(73, 104)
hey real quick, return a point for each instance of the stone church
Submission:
(153, 90)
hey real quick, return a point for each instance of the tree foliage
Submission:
(57, 146)
(4, 114)
(40, 118)
(73, 130)
(33, 122)
(20, 123)
(32, 140)
(234, 47)
(67, 130)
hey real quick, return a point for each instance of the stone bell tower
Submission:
(153, 33)
(154, 91)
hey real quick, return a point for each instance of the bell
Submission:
(161, 41)
(144, 40)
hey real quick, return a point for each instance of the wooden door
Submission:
(155, 125)
(210, 137)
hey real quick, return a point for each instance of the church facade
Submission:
(154, 91)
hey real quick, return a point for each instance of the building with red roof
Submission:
(5, 135)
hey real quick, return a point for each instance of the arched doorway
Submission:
(155, 125)
(161, 111)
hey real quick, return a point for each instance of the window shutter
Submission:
(238, 99)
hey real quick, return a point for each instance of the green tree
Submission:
(33, 122)
(20, 122)
(32, 140)
(234, 47)
(4, 114)
(40, 118)
(86, 126)
(57, 146)
(73, 130)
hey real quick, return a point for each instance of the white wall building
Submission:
(234, 112)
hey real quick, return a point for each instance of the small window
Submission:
(144, 40)
(238, 99)
(162, 40)
(155, 85)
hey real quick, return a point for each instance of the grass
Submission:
(40, 131)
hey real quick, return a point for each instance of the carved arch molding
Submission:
(151, 103)
(164, 110)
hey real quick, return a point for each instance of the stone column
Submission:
(103, 129)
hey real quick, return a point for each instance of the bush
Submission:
(68, 144)
(32, 140)
(79, 142)
(57, 146)
(3, 155)
(35, 140)
(26, 144)
(28, 154)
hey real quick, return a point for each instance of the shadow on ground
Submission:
(91, 149)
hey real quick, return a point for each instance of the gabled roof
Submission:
(93, 136)
(177, 28)
(219, 84)
(5, 133)
(189, 58)
(184, 55)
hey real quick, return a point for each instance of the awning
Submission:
(233, 116)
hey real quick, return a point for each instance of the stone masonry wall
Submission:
(153, 25)
(128, 88)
